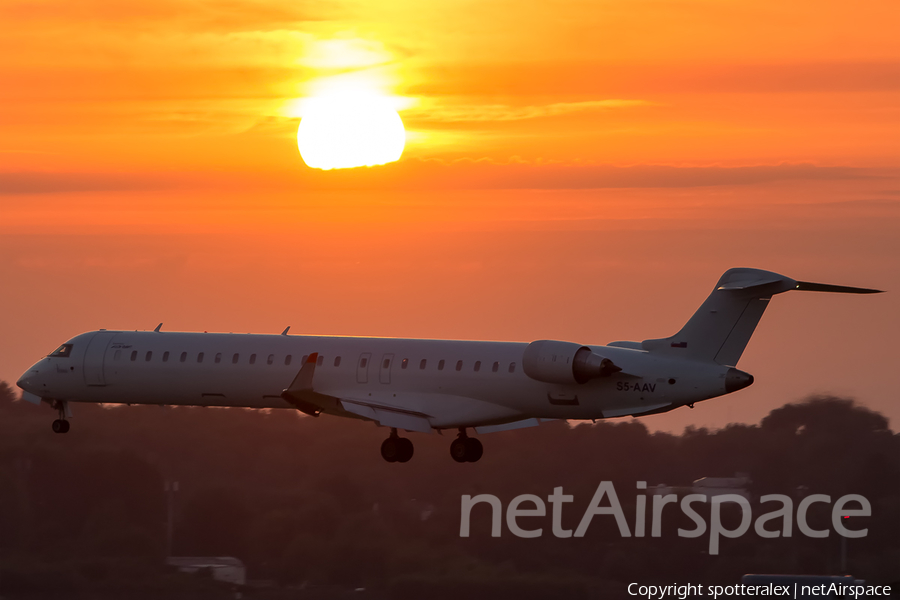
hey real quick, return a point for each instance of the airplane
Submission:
(420, 385)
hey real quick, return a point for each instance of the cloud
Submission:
(422, 174)
(232, 15)
(51, 183)
(506, 112)
(581, 78)
(438, 175)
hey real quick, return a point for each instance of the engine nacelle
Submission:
(564, 362)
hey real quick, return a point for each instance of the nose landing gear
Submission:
(466, 449)
(60, 425)
(396, 448)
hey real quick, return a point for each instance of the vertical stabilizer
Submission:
(722, 326)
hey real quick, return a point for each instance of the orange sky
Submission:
(574, 170)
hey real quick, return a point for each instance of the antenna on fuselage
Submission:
(158, 327)
(285, 330)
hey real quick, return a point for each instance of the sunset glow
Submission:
(567, 170)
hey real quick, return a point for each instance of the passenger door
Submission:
(94, 357)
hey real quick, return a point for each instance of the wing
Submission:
(404, 410)
(388, 416)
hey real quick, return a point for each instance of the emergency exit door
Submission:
(386, 362)
(362, 367)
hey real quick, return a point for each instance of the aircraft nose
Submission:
(23, 382)
(736, 380)
(28, 380)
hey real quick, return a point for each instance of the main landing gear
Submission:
(466, 449)
(396, 448)
(60, 425)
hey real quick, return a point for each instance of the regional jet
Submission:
(420, 385)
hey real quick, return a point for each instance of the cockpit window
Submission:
(63, 351)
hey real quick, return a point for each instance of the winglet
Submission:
(285, 330)
(302, 386)
(158, 327)
(303, 380)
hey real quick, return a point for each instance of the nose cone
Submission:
(29, 379)
(736, 380)
(23, 382)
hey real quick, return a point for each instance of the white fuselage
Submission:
(452, 383)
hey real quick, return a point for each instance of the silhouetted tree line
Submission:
(309, 504)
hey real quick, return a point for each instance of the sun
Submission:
(350, 126)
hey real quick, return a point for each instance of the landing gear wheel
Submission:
(60, 426)
(466, 449)
(391, 450)
(406, 450)
(474, 449)
(397, 449)
(459, 450)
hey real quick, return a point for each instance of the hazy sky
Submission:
(573, 170)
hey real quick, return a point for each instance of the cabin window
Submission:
(117, 355)
(512, 367)
(63, 351)
(148, 356)
(252, 359)
(200, 358)
(477, 365)
(363, 362)
(218, 357)
(166, 356)
(337, 361)
(441, 365)
(303, 360)
(271, 359)
(183, 357)
(320, 361)
(134, 355)
(422, 364)
(287, 360)
(496, 367)
(404, 363)
(235, 359)
(459, 365)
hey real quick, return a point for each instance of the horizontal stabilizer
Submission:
(808, 286)
(746, 284)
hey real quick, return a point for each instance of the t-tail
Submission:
(722, 326)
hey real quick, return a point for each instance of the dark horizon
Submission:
(302, 499)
